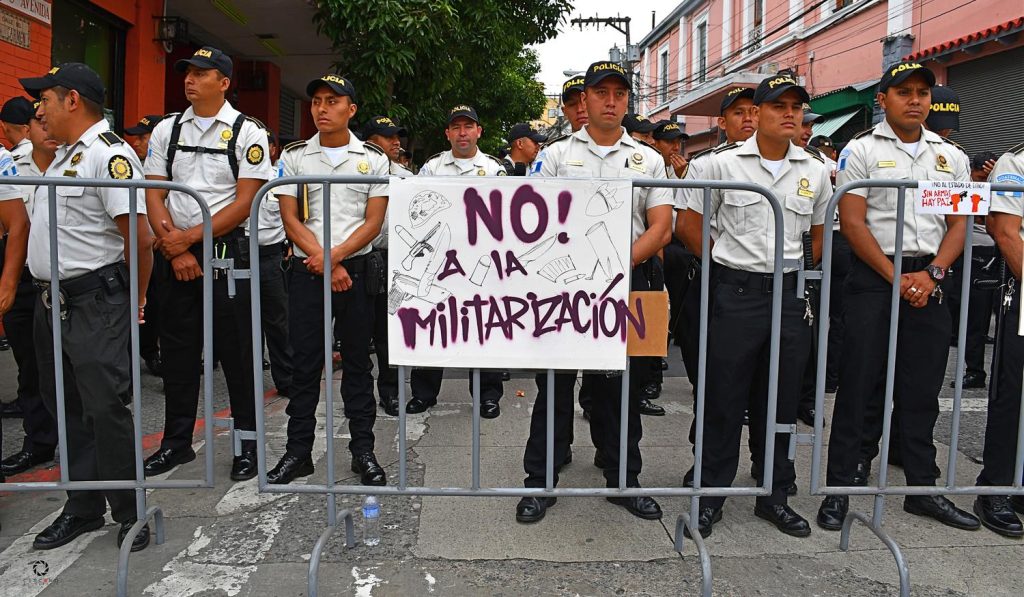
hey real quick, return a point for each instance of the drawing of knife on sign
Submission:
(537, 251)
(417, 248)
(404, 286)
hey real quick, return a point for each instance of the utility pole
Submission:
(620, 24)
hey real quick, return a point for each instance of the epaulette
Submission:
(257, 122)
(726, 147)
(864, 133)
(556, 140)
(499, 162)
(954, 144)
(1017, 149)
(294, 145)
(815, 153)
(436, 155)
(373, 147)
(170, 115)
(702, 152)
(110, 138)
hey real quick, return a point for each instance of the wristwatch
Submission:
(935, 272)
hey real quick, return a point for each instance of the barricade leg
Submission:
(685, 521)
(229, 424)
(126, 547)
(897, 553)
(321, 544)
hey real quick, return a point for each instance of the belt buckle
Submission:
(767, 283)
(46, 295)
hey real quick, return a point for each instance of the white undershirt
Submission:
(604, 150)
(464, 163)
(335, 154)
(204, 122)
(773, 166)
(910, 148)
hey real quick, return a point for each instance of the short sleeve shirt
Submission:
(1009, 169)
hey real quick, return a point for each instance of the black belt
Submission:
(354, 265)
(913, 264)
(274, 250)
(232, 235)
(109, 276)
(754, 281)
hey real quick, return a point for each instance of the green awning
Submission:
(831, 125)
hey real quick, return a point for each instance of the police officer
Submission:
(668, 140)
(807, 126)
(524, 145)
(897, 148)
(92, 233)
(149, 333)
(357, 212)
(220, 153)
(463, 159)
(739, 330)
(639, 127)
(39, 425)
(385, 134)
(273, 286)
(14, 118)
(603, 149)
(574, 110)
(1005, 223)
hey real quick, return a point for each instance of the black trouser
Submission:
(181, 341)
(739, 344)
(1004, 398)
(39, 425)
(534, 458)
(353, 327)
(979, 310)
(426, 384)
(149, 332)
(921, 353)
(687, 324)
(95, 354)
(274, 314)
(387, 376)
(841, 261)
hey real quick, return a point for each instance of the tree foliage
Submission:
(415, 59)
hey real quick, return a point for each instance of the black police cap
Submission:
(206, 57)
(383, 126)
(72, 75)
(520, 130)
(667, 130)
(571, 86)
(901, 71)
(945, 110)
(146, 125)
(336, 83)
(463, 111)
(733, 95)
(17, 110)
(773, 87)
(635, 123)
(599, 71)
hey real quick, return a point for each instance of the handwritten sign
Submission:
(953, 197)
(509, 273)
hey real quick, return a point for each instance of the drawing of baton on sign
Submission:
(604, 249)
(404, 286)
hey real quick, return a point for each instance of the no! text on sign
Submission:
(953, 197)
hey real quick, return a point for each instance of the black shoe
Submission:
(568, 457)
(755, 472)
(861, 473)
(22, 461)
(506, 376)
(972, 381)
(266, 365)
(532, 509)
(489, 409)
(586, 414)
(831, 387)
(650, 391)
(141, 540)
(650, 409)
(746, 418)
(390, 405)
(166, 459)
(663, 365)
(942, 510)
(833, 512)
(244, 467)
(784, 519)
(64, 530)
(990, 340)
(705, 521)
(806, 415)
(4, 344)
(155, 366)
(370, 473)
(373, 346)
(283, 391)
(1017, 503)
(419, 405)
(599, 460)
(290, 468)
(995, 513)
(11, 410)
(641, 506)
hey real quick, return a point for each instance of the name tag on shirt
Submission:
(71, 173)
(886, 164)
(638, 167)
(805, 193)
(574, 162)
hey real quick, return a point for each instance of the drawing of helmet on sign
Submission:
(426, 205)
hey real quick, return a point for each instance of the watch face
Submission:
(935, 272)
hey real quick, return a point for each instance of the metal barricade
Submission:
(140, 484)
(883, 488)
(687, 520)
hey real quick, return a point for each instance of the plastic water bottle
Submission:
(371, 521)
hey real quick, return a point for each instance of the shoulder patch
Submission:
(1017, 149)
(119, 168)
(254, 154)
(373, 147)
(814, 153)
(294, 145)
(256, 121)
(726, 147)
(110, 138)
(864, 133)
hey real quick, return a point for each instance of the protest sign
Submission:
(953, 197)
